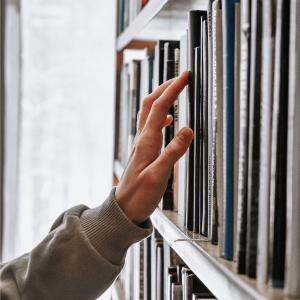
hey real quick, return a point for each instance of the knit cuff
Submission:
(110, 231)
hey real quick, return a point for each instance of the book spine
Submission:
(176, 129)
(277, 232)
(210, 114)
(182, 184)
(228, 124)
(218, 92)
(269, 24)
(215, 217)
(237, 68)
(193, 42)
(243, 143)
(206, 206)
(176, 293)
(292, 274)
(147, 268)
(160, 273)
(254, 137)
(197, 144)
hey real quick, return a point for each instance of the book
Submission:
(134, 94)
(205, 205)
(292, 258)
(176, 291)
(228, 10)
(210, 113)
(189, 282)
(182, 122)
(172, 278)
(254, 137)
(243, 140)
(184, 272)
(198, 145)
(218, 110)
(268, 31)
(138, 271)
(156, 240)
(193, 42)
(160, 273)
(237, 66)
(277, 233)
(147, 268)
(176, 128)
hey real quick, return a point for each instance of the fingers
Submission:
(147, 104)
(160, 107)
(176, 148)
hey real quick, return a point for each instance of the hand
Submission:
(145, 177)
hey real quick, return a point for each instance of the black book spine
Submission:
(160, 273)
(147, 268)
(206, 207)
(254, 137)
(243, 148)
(279, 147)
(197, 143)
(193, 42)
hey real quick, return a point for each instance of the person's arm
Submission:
(86, 248)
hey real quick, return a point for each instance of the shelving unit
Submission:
(168, 19)
(203, 258)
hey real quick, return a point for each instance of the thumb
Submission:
(175, 149)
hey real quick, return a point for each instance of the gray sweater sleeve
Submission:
(78, 260)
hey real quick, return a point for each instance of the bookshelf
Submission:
(203, 258)
(163, 19)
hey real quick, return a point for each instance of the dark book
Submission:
(228, 18)
(277, 227)
(205, 198)
(267, 81)
(193, 42)
(147, 268)
(169, 73)
(254, 137)
(176, 129)
(159, 273)
(198, 146)
(237, 69)
(243, 149)
(292, 273)
(217, 82)
(189, 282)
(176, 291)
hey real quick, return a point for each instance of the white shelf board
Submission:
(160, 19)
(217, 273)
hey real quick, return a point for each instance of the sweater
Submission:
(79, 259)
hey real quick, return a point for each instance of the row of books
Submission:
(127, 11)
(153, 271)
(239, 182)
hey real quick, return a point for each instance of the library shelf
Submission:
(159, 19)
(217, 273)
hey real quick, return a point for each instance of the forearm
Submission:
(79, 259)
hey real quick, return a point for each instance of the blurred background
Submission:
(58, 116)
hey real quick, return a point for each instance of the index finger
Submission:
(160, 107)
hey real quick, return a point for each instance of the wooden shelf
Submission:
(160, 19)
(217, 273)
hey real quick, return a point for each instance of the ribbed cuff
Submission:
(110, 231)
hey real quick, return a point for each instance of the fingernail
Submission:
(184, 135)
